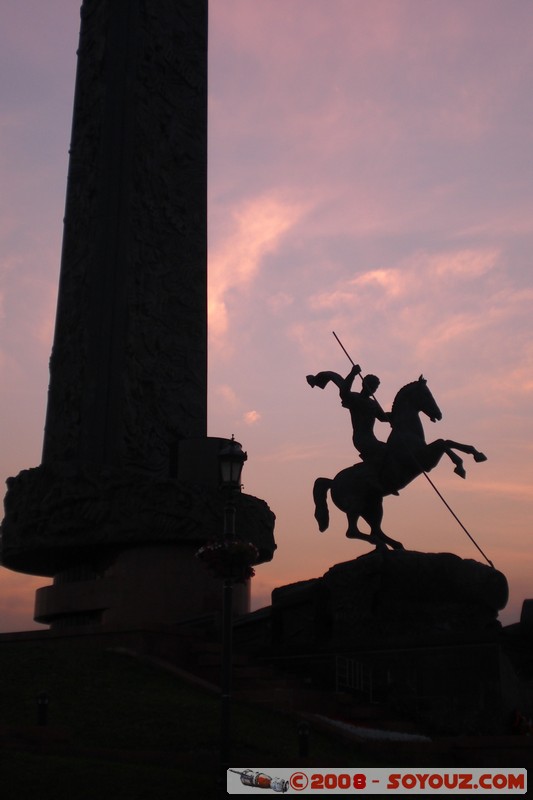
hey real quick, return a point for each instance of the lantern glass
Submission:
(231, 460)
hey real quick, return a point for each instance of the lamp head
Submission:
(231, 458)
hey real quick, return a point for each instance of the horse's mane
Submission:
(405, 390)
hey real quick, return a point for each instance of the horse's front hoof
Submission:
(480, 457)
(459, 470)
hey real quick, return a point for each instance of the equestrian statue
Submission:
(385, 467)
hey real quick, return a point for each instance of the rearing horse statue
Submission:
(359, 490)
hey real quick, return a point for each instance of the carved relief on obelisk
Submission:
(128, 366)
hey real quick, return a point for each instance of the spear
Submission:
(345, 350)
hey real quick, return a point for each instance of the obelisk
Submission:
(113, 513)
(131, 328)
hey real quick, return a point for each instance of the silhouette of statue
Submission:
(355, 490)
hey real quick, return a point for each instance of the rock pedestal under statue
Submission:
(418, 632)
(390, 598)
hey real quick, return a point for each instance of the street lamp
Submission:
(231, 460)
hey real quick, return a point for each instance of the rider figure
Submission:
(364, 410)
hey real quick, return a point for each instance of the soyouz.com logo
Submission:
(466, 782)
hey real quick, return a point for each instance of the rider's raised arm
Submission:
(346, 386)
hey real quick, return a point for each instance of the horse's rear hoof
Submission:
(323, 521)
(459, 470)
(480, 457)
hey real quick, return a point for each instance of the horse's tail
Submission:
(320, 496)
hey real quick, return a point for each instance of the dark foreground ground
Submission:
(119, 728)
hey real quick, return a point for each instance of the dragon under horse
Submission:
(359, 490)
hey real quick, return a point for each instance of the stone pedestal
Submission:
(392, 598)
(417, 632)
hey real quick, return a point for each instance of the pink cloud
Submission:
(227, 395)
(468, 263)
(419, 276)
(257, 229)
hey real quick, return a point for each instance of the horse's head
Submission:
(417, 397)
(426, 401)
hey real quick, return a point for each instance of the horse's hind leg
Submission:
(353, 531)
(373, 514)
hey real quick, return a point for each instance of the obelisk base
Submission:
(121, 549)
(143, 586)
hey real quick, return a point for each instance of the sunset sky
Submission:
(370, 172)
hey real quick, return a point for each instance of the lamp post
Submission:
(231, 461)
